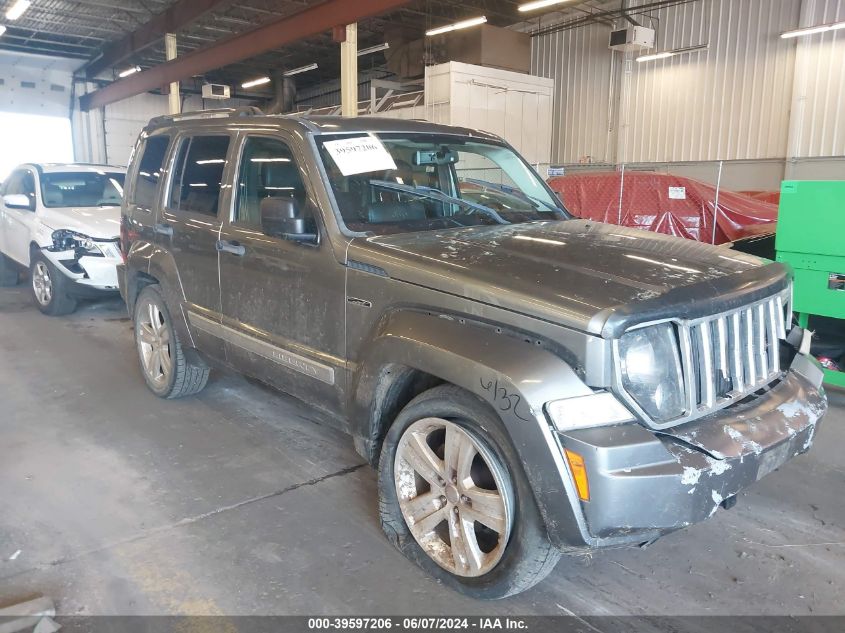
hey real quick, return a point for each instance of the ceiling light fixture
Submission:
(373, 49)
(540, 4)
(256, 82)
(129, 71)
(812, 30)
(465, 24)
(303, 69)
(672, 53)
(17, 9)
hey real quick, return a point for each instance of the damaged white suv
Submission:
(62, 222)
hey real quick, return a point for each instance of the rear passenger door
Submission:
(282, 300)
(189, 227)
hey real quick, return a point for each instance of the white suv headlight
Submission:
(650, 367)
(66, 240)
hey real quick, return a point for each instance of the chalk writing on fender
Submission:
(503, 399)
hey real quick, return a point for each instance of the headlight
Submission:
(65, 240)
(650, 363)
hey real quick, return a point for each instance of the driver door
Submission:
(282, 300)
(18, 223)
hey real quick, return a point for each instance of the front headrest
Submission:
(53, 196)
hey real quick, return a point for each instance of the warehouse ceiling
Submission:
(81, 29)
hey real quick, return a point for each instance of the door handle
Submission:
(224, 246)
(163, 229)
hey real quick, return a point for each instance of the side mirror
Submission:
(279, 219)
(18, 201)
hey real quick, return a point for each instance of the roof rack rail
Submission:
(218, 113)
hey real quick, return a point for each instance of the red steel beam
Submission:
(169, 21)
(306, 23)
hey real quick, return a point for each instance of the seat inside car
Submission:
(53, 196)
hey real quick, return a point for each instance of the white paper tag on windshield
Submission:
(677, 193)
(360, 155)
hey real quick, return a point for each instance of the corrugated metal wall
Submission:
(818, 108)
(581, 64)
(729, 102)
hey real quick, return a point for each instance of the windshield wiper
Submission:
(436, 194)
(518, 193)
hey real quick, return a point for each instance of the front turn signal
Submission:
(579, 473)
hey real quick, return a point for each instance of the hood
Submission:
(96, 222)
(565, 272)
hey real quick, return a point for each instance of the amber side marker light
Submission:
(579, 473)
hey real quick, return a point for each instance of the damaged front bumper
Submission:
(644, 483)
(90, 274)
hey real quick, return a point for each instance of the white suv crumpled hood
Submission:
(96, 222)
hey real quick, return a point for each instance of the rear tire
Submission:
(49, 287)
(165, 368)
(509, 553)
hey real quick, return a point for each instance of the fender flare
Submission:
(512, 374)
(147, 260)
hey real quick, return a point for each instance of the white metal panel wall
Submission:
(726, 103)
(818, 108)
(512, 105)
(730, 102)
(581, 65)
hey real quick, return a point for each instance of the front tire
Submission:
(165, 368)
(454, 498)
(50, 287)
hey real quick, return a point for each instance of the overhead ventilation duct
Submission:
(285, 95)
(485, 45)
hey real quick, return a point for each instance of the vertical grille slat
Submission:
(708, 382)
(760, 342)
(738, 373)
(748, 347)
(773, 338)
(780, 314)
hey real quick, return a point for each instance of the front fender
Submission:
(514, 374)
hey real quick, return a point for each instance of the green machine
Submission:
(811, 238)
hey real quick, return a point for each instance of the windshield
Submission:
(82, 189)
(400, 183)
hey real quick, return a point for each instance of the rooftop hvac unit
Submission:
(216, 91)
(634, 38)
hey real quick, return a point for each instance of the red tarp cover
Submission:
(664, 203)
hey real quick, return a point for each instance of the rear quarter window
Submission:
(148, 176)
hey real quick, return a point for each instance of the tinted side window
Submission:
(149, 171)
(267, 170)
(198, 174)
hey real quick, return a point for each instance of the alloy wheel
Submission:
(154, 340)
(42, 284)
(454, 495)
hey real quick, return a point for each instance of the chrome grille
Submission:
(727, 356)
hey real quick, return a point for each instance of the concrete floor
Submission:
(239, 502)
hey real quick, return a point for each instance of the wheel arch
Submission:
(514, 376)
(148, 264)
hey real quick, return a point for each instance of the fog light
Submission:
(579, 473)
